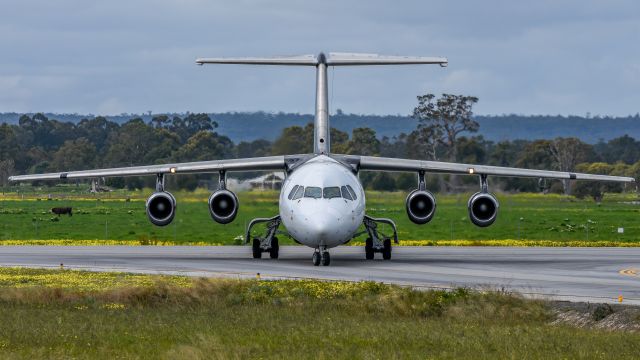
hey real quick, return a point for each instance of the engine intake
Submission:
(161, 208)
(223, 206)
(421, 206)
(483, 209)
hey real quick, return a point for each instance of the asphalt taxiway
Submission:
(577, 274)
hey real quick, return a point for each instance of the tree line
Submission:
(445, 130)
(248, 126)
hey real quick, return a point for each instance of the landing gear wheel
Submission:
(316, 258)
(255, 246)
(386, 250)
(326, 259)
(368, 249)
(275, 248)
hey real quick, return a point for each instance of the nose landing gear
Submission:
(321, 257)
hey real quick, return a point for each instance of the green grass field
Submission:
(82, 315)
(111, 219)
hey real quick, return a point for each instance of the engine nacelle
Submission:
(421, 206)
(161, 208)
(223, 206)
(483, 209)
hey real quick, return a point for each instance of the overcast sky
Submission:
(525, 57)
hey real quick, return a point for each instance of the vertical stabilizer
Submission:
(321, 135)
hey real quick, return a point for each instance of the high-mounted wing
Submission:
(249, 164)
(393, 164)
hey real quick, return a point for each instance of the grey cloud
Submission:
(523, 57)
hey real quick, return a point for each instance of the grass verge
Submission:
(46, 314)
(505, 242)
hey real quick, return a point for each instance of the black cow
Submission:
(62, 210)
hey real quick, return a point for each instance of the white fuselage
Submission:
(324, 214)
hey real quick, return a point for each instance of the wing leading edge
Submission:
(394, 164)
(248, 164)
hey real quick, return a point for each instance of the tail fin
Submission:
(321, 125)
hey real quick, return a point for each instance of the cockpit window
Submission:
(293, 192)
(345, 193)
(313, 192)
(353, 193)
(299, 193)
(331, 192)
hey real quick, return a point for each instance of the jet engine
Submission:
(161, 208)
(483, 209)
(421, 206)
(223, 206)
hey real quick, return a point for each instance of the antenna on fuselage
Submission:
(321, 134)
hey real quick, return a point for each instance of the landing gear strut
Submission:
(321, 257)
(268, 243)
(325, 259)
(376, 240)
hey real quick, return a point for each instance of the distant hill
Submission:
(256, 125)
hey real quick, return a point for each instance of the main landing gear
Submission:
(321, 257)
(268, 243)
(376, 240)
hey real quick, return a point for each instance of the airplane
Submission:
(322, 202)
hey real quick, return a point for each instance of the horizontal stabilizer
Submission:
(374, 59)
(277, 60)
(333, 59)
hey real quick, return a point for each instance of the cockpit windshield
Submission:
(293, 192)
(345, 193)
(353, 193)
(313, 192)
(298, 193)
(331, 192)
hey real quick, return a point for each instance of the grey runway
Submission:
(577, 274)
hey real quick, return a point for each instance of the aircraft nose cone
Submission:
(321, 225)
